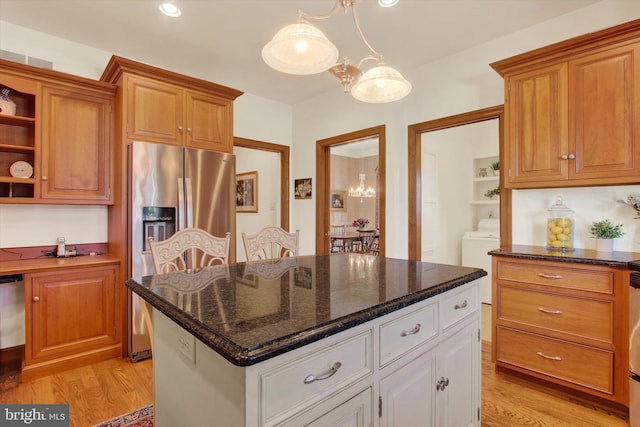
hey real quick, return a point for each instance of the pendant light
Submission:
(301, 48)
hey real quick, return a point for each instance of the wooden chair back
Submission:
(271, 243)
(189, 249)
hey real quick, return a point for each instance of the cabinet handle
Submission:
(180, 128)
(549, 310)
(36, 299)
(415, 330)
(550, 276)
(572, 156)
(188, 129)
(442, 383)
(331, 372)
(44, 178)
(459, 306)
(556, 358)
(564, 157)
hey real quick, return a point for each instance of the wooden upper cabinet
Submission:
(604, 106)
(155, 111)
(170, 108)
(537, 125)
(76, 146)
(209, 122)
(572, 112)
(63, 128)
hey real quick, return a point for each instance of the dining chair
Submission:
(270, 243)
(186, 250)
(337, 244)
(189, 248)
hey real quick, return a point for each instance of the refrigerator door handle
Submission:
(188, 203)
(182, 215)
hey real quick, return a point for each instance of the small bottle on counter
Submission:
(560, 227)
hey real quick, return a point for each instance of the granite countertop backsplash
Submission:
(578, 256)
(250, 312)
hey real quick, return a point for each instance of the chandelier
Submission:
(302, 49)
(361, 191)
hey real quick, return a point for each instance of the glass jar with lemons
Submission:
(560, 227)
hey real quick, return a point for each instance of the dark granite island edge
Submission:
(614, 259)
(249, 355)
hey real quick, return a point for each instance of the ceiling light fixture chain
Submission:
(301, 49)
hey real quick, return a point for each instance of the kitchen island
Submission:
(316, 340)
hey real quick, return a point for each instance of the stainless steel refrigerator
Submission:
(171, 188)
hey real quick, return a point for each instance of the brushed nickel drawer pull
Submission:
(549, 310)
(550, 276)
(459, 306)
(415, 330)
(556, 358)
(331, 372)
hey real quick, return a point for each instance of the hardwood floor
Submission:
(105, 390)
(94, 393)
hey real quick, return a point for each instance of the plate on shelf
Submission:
(21, 169)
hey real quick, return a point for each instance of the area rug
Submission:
(142, 417)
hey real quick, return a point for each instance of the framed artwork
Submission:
(247, 192)
(302, 188)
(338, 200)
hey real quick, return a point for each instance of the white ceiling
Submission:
(221, 40)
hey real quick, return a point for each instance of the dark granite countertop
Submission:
(250, 312)
(578, 256)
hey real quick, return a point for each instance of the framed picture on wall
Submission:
(247, 192)
(302, 188)
(338, 200)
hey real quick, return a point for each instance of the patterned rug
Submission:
(142, 417)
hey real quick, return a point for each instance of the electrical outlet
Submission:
(187, 345)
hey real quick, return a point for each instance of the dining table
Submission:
(349, 241)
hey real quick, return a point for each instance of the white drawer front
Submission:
(283, 389)
(459, 305)
(407, 332)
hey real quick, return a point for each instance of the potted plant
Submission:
(605, 231)
(495, 167)
(360, 223)
(492, 193)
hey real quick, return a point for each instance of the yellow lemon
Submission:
(563, 222)
(567, 230)
(552, 237)
(556, 244)
(556, 230)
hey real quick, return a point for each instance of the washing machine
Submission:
(475, 245)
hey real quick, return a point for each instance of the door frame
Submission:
(323, 177)
(283, 150)
(415, 172)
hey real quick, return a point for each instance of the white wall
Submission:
(452, 85)
(38, 225)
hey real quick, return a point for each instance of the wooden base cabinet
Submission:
(417, 366)
(72, 319)
(563, 322)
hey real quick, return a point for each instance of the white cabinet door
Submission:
(458, 370)
(408, 394)
(355, 412)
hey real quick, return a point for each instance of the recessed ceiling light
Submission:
(387, 3)
(170, 9)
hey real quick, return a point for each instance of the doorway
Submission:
(323, 175)
(416, 173)
(282, 152)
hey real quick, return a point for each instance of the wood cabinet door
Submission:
(209, 122)
(536, 127)
(154, 111)
(77, 128)
(70, 311)
(604, 100)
